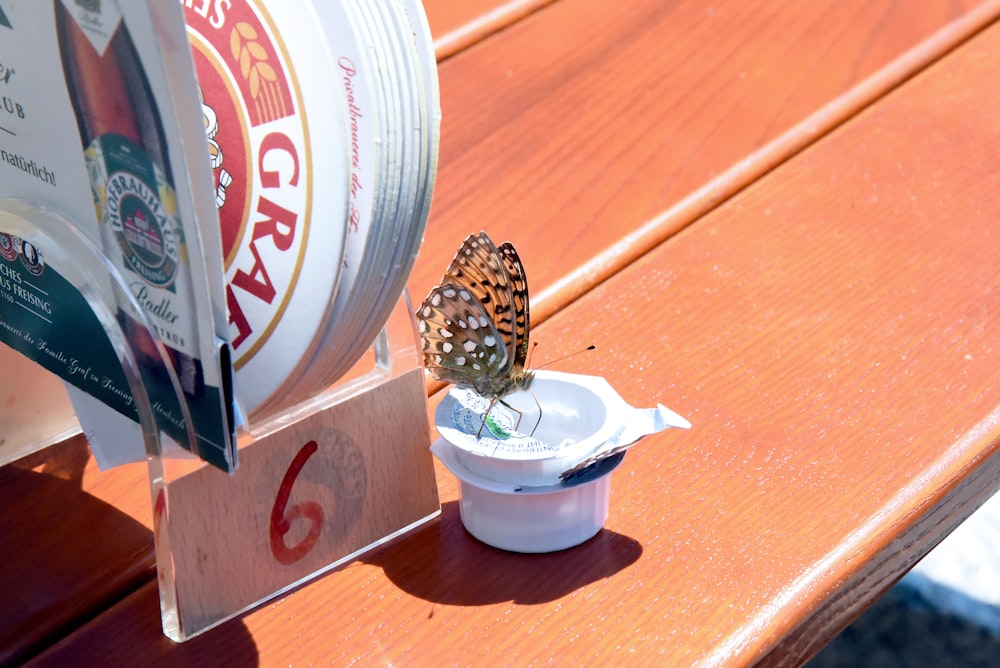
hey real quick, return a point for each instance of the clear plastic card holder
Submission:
(317, 485)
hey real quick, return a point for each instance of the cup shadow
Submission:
(457, 569)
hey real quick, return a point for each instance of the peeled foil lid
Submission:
(536, 436)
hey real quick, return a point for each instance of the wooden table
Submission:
(779, 219)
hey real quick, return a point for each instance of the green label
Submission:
(139, 206)
(36, 304)
(43, 316)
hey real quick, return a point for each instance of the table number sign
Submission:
(306, 498)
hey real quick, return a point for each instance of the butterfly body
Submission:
(475, 324)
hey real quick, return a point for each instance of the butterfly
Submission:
(475, 324)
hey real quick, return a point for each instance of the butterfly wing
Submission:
(482, 269)
(475, 324)
(519, 299)
(460, 343)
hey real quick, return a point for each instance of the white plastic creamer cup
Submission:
(529, 520)
(512, 496)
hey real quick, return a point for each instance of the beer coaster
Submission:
(400, 228)
(358, 81)
(342, 334)
(397, 230)
(277, 136)
(374, 292)
(346, 92)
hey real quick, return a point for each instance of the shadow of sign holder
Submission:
(317, 484)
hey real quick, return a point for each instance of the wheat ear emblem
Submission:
(258, 73)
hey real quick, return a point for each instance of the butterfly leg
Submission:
(539, 420)
(486, 416)
(520, 415)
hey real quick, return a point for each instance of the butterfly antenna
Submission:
(560, 359)
(527, 359)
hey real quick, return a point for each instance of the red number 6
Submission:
(281, 521)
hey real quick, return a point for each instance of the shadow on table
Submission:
(66, 554)
(460, 570)
(129, 634)
(69, 557)
(903, 629)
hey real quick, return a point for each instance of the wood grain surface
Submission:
(831, 333)
(828, 332)
(600, 128)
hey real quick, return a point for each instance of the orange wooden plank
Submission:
(831, 334)
(506, 166)
(591, 131)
